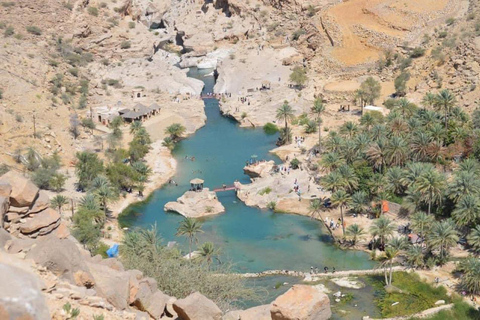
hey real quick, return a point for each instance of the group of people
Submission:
(299, 140)
(190, 158)
(331, 224)
(325, 269)
(244, 99)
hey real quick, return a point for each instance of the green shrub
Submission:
(105, 61)
(8, 4)
(450, 21)
(297, 34)
(9, 31)
(1, 94)
(265, 190)
(68, 5)
(417, 52)
(125, 44)
(131, 25)
(93, 11)
(270, 128)
(3, 25)
(103, 5)
(101, 249)
(442, 34)
(53, 63)
(272, 205)
(73, 72)
(295, 163)
(34, 30)
(19, 36)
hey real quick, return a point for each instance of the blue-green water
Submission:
(253, 239)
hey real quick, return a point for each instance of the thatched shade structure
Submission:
(196, 184)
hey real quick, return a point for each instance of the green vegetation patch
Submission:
(415, 295)
(460, 310)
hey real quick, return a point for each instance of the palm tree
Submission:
(413, 170)
(135, 126)
(316, 207)
(175, 131)
(467, 211)
(355, 232)
(367, 121)
(169, 143)
(420, 145)
(377, 154)
(431, 184)
(333, 181)
(331, 161)
(334, 142)
(341, 199)
(102, 189)
(428, 100)
(189, 228)
(471, 275)
(285, 113)
(421, 223)
(393, 180)
(445, 101)
(394, 248)
(464, 183)
(470, 166)
(415, 256)
(437, 132)
(442, 236)
(350, 179)
(383, 228)
(208, 252)
(473, 238)
(317, 109)
(58, 202)
(397, 151)
(360, 202)
(349, 129)
(405, 107)
(89, 202)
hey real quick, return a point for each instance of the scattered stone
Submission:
(111, 284)
(197, 307)
(439, 302)
(4, 203)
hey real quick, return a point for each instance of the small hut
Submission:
(196, 184)
(266, 85)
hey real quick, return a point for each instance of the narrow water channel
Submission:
(254, 239)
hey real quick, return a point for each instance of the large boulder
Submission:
(24, 191)
(156, 304)
(259, 169)
(197, 307)
(41, 220)
(41, 203)
(301, 302)
(111, 284)
(60, 256)
(5, 189)
(4, 204)
(255, 313)
(196, 204)
(20, 295)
